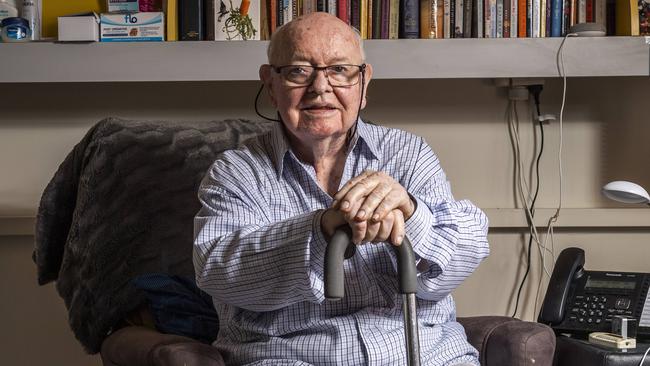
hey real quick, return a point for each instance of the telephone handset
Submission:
(579, 302)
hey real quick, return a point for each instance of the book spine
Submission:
(363, 18)
(331, 7)
(610, 13)
(210, 19)
(582, 11)
(190, 20)
(369, 20)
(342, 10)
(393, 21)
(556, 18)
(529, 18)
(549, 16)
(446, 27)
(385, 13)
(355, 14)
(542, 18)
(459, 26)
(409, 19)
(295, 5)
(536, 17)
(425, 19)
(480, 19)
(171, 21)
(600, 13)
(506, 18)
(452, 19)
(321, 5)
(514, 19)
(440, 11)
(493, 11)
(521, 18)
(589, 11)
(376, 19)
(308, 7)
(487, 20)
(499, 19)
(467, 19)
(644, 18)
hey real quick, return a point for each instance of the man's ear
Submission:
(265, 77)
(366, 81)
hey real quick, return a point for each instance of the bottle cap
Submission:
(14, 21)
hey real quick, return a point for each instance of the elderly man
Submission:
(270, 206)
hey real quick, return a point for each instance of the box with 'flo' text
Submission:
(132, 27)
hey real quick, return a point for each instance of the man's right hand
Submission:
(390, 227)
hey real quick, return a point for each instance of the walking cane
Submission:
(341, 248)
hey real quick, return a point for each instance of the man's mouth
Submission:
(318, 107)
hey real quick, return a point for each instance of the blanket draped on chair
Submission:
(120, 205)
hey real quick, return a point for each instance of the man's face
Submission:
(317, 110)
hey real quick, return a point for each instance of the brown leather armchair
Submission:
(121, 205)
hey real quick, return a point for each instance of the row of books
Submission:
(393, 19)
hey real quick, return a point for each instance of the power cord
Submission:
(644, 356)
(535, 90)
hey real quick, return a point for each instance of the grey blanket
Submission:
(121, 205)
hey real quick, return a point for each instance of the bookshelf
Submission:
(392, 59)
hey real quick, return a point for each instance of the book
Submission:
(536, 18)
(627, 18)
(566, 16)
(589, 11)
(521, 18)
(393, 19)
(308, 6)
(452, 18)
(467, 18)
(332, 7)
(506, 18)
(644, 18)
(218, 27)
(171, 20)
(409, 19)
(428, 19)
(514, 18)
(610, 13)
(499, 19)
(369, 20)
(272, 11)
(542, 18)
(191, 25)
(376, 19)
(385, 14)
(487, 19)
(581, 11)
(363, 19)
(549, 14)
(556, 18)
(355, 14)
(478, 19)
(446, 16)
(341, 10)
(459, 14)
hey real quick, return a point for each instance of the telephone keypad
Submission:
(594, 309)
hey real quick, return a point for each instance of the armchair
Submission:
(121, 205)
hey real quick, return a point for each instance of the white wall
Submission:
(605, 138)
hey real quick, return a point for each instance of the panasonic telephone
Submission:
(580, 302)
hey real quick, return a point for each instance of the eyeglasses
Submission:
(337, 75)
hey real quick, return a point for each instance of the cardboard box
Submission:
(130, 6)
(132, 27)
(53, 9)
(79, 27)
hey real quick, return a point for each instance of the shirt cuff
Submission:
(433, 235)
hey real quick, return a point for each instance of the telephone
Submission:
(580, 302)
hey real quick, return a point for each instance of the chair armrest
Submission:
(503, 340)
(137, 345)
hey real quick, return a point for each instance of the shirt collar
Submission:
(280, 143)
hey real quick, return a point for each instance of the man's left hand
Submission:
(371, 196)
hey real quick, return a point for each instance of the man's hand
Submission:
(371, 196)
(390, 227)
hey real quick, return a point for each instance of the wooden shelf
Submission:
(500, 218)
(572, 217)
(391, 59)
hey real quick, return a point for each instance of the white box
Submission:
(79, 27)
(132, 6)
(132, 27)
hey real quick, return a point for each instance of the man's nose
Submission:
(320, 83)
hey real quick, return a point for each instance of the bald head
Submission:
(324, 29)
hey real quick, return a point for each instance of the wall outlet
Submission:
(505, 82)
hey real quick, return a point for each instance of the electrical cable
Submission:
(644, 356)
(536, 91)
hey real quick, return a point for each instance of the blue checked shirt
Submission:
(259, 252)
